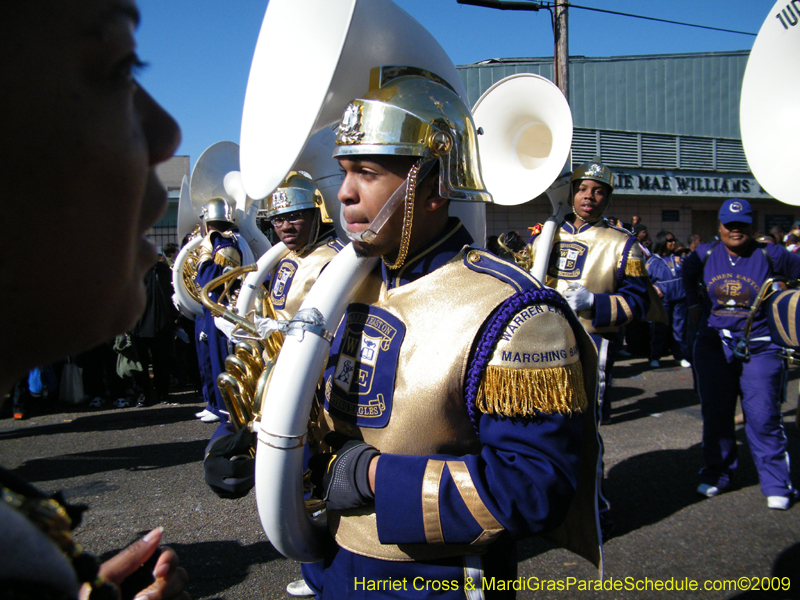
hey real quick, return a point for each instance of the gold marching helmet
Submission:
(413, 112)
(297, 192)
(218, 210)
(594, 170)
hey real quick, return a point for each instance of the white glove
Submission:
(225, 327)
(579, 298)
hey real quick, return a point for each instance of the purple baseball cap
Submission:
(736, 210)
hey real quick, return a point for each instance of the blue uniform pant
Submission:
(208, 382)
(676, 311)
(760, 383)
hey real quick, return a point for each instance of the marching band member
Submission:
(221, 248)
(600, 270)
(295, 210)
(666, 274)
(732, 273)
(88, 138)
(455, 386)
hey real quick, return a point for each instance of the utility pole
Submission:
(561, 47)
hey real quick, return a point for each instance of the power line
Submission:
(612, 12)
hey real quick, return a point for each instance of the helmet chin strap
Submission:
(586, 220)
(388, 209)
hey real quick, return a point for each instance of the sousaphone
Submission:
(215, 174)
(290, 97)
(768, 107)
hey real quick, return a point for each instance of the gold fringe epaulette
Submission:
(635, 268)
(227, 257)
(523, 392)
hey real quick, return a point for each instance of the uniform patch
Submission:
(567, 260)
(284, 275)
(359, 378)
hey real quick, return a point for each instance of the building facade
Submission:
(667, 125)
(171, 174)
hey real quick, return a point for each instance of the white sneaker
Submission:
(655, 364)
(210, 418)
(781, 502)
(299, 589)
(685, 363)
(778, 502)
(709, 491)
(203, 413)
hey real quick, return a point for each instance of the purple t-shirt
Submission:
(733, 283)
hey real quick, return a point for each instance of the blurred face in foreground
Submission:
(80, 140)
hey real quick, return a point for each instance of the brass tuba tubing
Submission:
(231, 393)
(217, 309)
(237, 368)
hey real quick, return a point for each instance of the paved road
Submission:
(140, 468)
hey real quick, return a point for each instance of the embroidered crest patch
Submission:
(567, 260)
(284, 275)
(359, 378)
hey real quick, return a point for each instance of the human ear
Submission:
(428, 193)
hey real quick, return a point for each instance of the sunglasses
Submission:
(292, 217)
(671, 240)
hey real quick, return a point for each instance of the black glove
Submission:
(230, 471)
(341, 479)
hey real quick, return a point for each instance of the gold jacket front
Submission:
(608, 261)
(440, 366)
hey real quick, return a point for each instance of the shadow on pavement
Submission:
(118, 420)
(134, 458)
(664, 401)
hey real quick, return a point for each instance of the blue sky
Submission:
(199, 51)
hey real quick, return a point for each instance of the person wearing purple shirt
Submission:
(732, 271)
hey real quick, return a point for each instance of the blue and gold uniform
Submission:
(218, 251)
(608, 261)
(478, 404)
(292, 279)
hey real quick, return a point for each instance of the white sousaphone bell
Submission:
(525, 146)
(215, 174)
(768, 117)
(770, 104)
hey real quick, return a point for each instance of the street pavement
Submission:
(138, 468)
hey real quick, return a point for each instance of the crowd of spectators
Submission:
(139, 368)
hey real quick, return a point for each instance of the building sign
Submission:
(642, 182)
